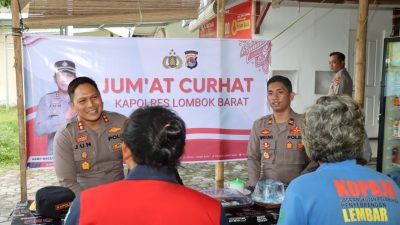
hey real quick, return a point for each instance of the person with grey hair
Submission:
(340, 191)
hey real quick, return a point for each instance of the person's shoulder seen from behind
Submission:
(154, 140)
(333, 133)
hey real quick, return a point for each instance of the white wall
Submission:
(8, 93)
(175, 30)
(305, 46)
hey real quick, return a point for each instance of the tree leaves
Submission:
(5, 3)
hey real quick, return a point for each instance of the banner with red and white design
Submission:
(217, 86)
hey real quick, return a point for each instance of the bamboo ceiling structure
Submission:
(57, 13)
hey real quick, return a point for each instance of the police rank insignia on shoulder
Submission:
(81, 127)
(85, 165)
(105, 118)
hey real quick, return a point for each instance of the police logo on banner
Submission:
(191, 59)
(172, 61)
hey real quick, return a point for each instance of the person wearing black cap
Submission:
(54, 110)
(154, 141)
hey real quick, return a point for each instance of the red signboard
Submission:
(237, 23)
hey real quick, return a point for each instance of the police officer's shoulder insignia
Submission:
(105, 118)
(81, 126)
(270, 121)
(291, 121)
(289, 145)
(85, 165)
(82, 138)
(117, 146)
(265, 132)
(114, 129)
(267, 155)
(295, 130)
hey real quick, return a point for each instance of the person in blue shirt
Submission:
(153, 142)
(340, 191)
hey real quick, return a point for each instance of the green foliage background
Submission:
(5, 3)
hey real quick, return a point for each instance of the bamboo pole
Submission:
(219, 166)
(360, 51)
(16, 26)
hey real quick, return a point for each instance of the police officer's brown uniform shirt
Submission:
(275, 153)
(84, 158)
(341, 83)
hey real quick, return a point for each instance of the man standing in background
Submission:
(341, 82)
(54, 110)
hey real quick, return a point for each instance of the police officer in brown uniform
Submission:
(342, 84)
(275, 149)
(87, 150)
(341, 81)
(54, 109)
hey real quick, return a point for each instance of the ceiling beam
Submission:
(164, 15)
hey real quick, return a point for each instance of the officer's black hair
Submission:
(156, 137)
(284, 80)
(340, 56)
(78, 81)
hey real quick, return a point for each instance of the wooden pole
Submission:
(219, 167)
(360, 51)
(16, 26)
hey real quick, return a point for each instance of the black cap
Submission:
(65, 65)
(53, 201)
